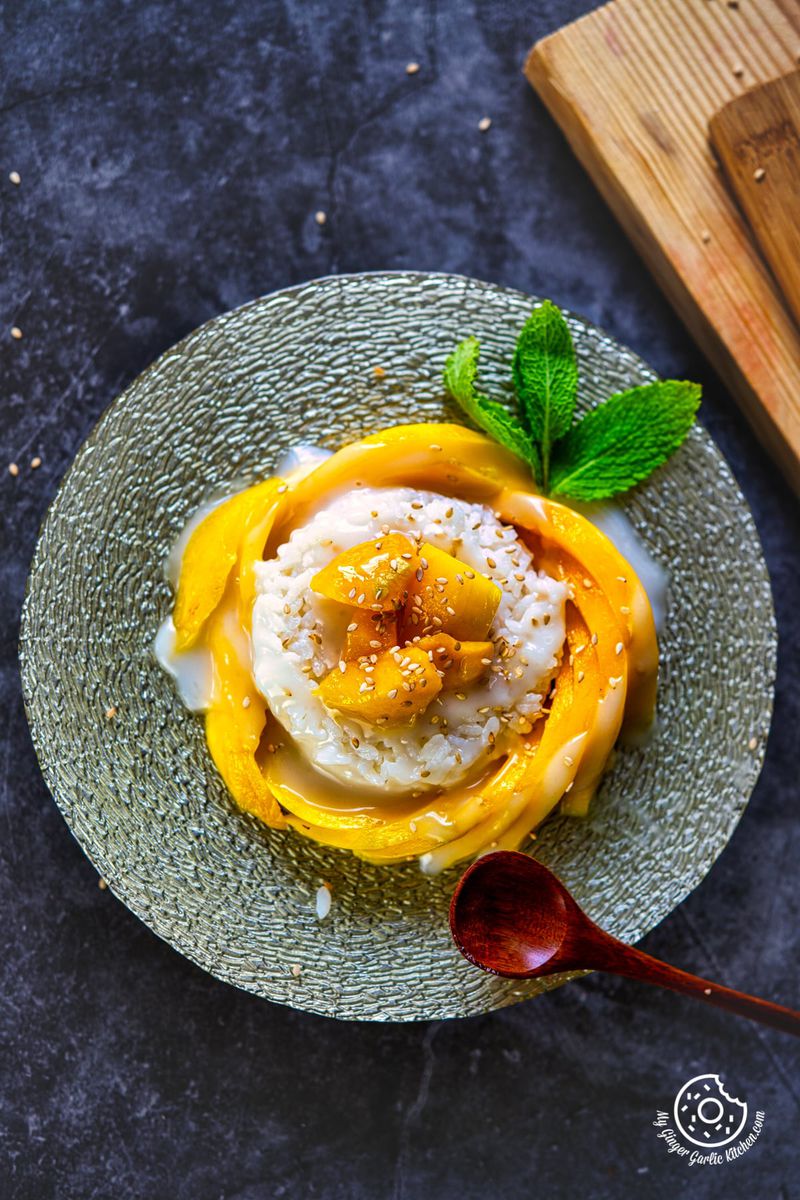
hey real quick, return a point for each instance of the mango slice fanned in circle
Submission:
(606, 677)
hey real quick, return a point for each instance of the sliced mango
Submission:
(461, 663)
(372, 575)
(590, 554)
(444, 458)
(590, 692)
(397, 687)
(234, 724)
(209, 557)
(368, 633)
(447, 596)
(530, 784)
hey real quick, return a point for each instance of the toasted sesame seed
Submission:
(419, 574)
(706, 991)
(568, 760)
(342, 665)
(759, 174)
(297, 970)
(111, 712)
(320, 217)
(580, 676)
(752, 744)
(619, 648)
(378, 372)
(14, 176)
(284, 487)
(484, 124)
(624, 610)
(424, 563)
(245, 701)
(352, 627)
(412, 68)
(16, 332)
(13, 469)
(36, 463)
(594, 639)
(491, 562)
(434, 446)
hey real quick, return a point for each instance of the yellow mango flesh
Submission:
(529, 785)
(234, 724)
(461, 663)
(592, 555)
(607, 631)
(373, 575)
(209, 558)
(399, 686)
(368, 633)
(516, 794)
(436, 457)
(447, 596)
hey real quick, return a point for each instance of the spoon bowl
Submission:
(510, 915)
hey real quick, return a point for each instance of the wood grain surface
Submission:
(634, 86)
(757, 139)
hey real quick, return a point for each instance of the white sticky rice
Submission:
(297, 638)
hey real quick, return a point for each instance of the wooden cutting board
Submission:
(757, 140)
(634, 86)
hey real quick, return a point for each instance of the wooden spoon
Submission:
(511, 916)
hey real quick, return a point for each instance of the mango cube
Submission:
(372, 575)
(461, 662)
(399, 686)
(368, 633)
(447, 596)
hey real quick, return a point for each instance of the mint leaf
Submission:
(459, 379)
(546, 378)
(623, 440)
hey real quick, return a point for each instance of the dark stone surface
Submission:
(172, 159)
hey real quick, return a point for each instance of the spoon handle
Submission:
(620, 959)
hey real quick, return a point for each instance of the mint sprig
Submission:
(607, 451)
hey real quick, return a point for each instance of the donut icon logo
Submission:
(706, 1115)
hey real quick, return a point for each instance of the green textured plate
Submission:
(140, 793)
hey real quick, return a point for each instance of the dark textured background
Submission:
(172, 159)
